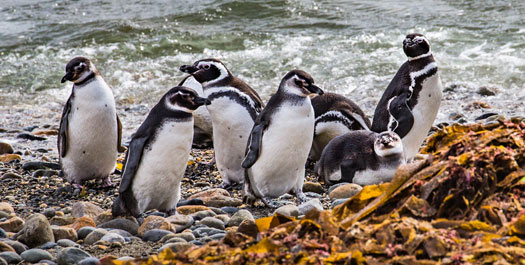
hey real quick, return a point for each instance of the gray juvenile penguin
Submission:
(362, 157)
(334, 115)
(90, 130)
(233, 109)
(158, 155)
(280, 141)
(411, 101)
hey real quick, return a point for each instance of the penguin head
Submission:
(300, 83)
(206, 70)
(388, 144)
(78, 69)
(184, 99)
(416, 46)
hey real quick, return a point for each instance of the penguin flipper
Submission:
(348, 169)
(133, 158)
(120, 148)
(402, 114)
(63, 129)
(254, 145)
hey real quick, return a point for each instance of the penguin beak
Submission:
(314, 89)
(68, 76)
(202, 101)
(189, 69)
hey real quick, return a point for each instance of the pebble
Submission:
(89, 261)
(122, 223)
(212, 222)
(34, 165)
(71, 255)
(202, 214)
(36, 231)
(106, 216)
(313, 195)
(48, 262)
(3, 262)
(217, 210)
(44, 173)
(95, 236)
(82, 222)
(338, 202)
(190, 202)
(217, 236)
(5, 148)
(48, 245)
(60, 232)
(5, 247)
(487, 91)
(17, 246)
(121, 232)
(249, 228)
(173, 240)
(313, 187)
(197, 242)
(335, 186)
(62, 220)
(288, 210)
(223, 217)
(112, 238)
(66, 243)
(154, 222)
(10, 175)
(230, 210)
(31, 137)
(11, 257)
(84, 231)
(309, 205)
(345, 191)
(180, 222)
(240, 216)
(177, 246)
(188, 236)
(206, 231)
(88, 209)
(190, 209)
(35, 255)
(155, 235)
(13, 224)
(49, 213)
(125, 258)
(2, 233)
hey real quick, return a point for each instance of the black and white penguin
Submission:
(411, 101)
(334, 115)
(233, 109)
(90, 130)
(362, 157)
(280, 141)
(158, 155)
(202, 128)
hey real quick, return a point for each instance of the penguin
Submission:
(411, 101)
(202, 128)
(90, 131)
(334, 115)
(233, 109)
(280, 141)
(362, 157)
(158, 155)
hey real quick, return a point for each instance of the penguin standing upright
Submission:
(334, 115)
(202, 128)
(233, 109)
(411, 101)
(280, 141)
(158, 155)
(90, 130)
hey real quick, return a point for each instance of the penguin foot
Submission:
(248, 199)
(172, 212)
(230, 186)
(272, 203)
(106, 183)
(77, 186)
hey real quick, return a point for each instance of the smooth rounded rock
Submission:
(84, 231)
(154, 222)
(249, 228)
(240, 216)
(230, 210)
(82, 222)
(48, 245)
(122, 223)
(190, 209)
(6, 207)
(64, 233)
(121, 232)
(35, 255)
(174, 240)
(289, 210)
(49, 212)
(345, 191)
(17, 246)
(180, 222)
(95, 236)
(11, 257)
(89, 261)
(313, 187)
(3, 262)
(177, 246)
(155, 235)
(71, 255)
(2, 233)
(338, 202)
(66, 243)
(202, 214)
(62, 220)
(212, 222)
(48, 262)
(88, 209)
(112, 238)
(5, 148)
(5, 247)
(309, 205)
(13, 224)
(36, 231)
(188, 236)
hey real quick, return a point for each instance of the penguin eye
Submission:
(299, 83)
(206, 67)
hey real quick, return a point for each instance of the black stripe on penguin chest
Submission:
(418, 86)
(234, 96)
(334, 118)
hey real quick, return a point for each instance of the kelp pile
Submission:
(463, 203)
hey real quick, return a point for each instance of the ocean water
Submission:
(352, 47)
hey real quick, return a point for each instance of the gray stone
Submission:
(89, 261)
(35, 255)
(88, 209)
(177, 246)
(345, 191)
(338, 201)
(180, 222)
(4, 215)
(212, 222)
(48, 245)
(335, 186)
(44, 173)
(113, 237)
(155, 235)
(197, 242)
(217, 210)
(48, 262)
(487, 91)
(313, 187)
(10, 257)
(240, 216)
(121, 232)
(95, 236)
(288, 210)
(223, 217)
(230, 210)
(188, 236)
(49, 213)
(206, 231)
(174, 240)
(313, 195)
(71, 255)
(217, 236)
(84, 231)
(125, 258)
(121, 223)
(3, 262)
(17, 246)
(66, 243)
(202, 214)
(36, 231)
(309, 205)
(2, 233)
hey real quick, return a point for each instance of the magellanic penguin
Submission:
(233, 109)
(90, 130)
(334, 115)
(411, 101)
(158, 155)
(362, 157)
(202, 128)
(280, 141)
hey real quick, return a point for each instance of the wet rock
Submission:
(177, 247)
(122, 223)
(345, 191)
(6, 148)
(249, 228)
(190, 209)
(212, 222)
(288, 210)
(31, 137)
(84, 231)
(180, 222)
(81, 222)
(44, 173)
(6, 207)
(17, 246)
(487, 91)
(36, 231)
(202, 214)
(71, 255)
(155, 235)
(88, 209)
(35, 255)
(5, 247)
(62, 220)
(95, 236)
(197, 242)
(188, 236)
(34, 165)
(49, 213)
(240, 216)
(112, 238)
(338, 201)
(11, 257)
(313, 187)
(89, 261)
(309, 205)
(66, 243)
(64, 233)
(485, 116)
(154, 222)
